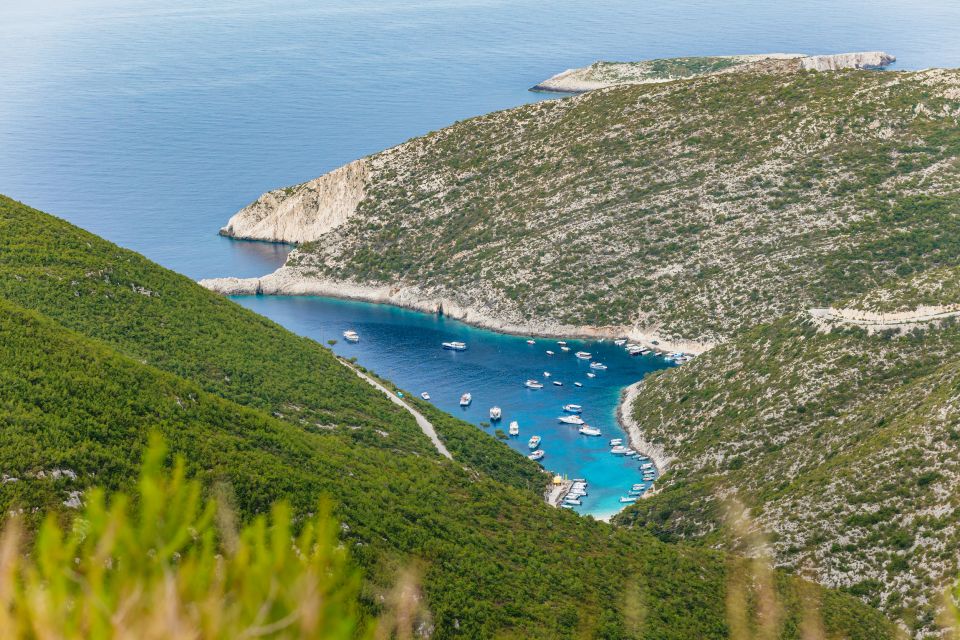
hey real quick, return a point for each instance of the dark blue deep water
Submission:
(150, 122)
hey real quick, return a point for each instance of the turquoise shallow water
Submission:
(150, 123)
(405, 346)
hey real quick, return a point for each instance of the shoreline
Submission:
(658, 456)
(288, 282)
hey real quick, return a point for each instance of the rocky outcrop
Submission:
(606, 74)
(872, 322)
(859, 60)
(305, 212)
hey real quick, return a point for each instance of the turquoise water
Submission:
(150, 123)
(405, 346)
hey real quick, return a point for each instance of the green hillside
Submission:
(90, 364)
(846, 442)
(691, 208)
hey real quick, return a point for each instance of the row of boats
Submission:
(578, 491)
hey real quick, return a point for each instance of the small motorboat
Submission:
(546, 374)
(618, 450)
(531, 342)
(578, 384)
(533, 442)
(351, 336)
(514, 428)
(573, 408)
(465, 400)
(536, 455)
(598, 366)
(562, 343)
(557, 383)
(645, 466)
(616, 441)
(591, 375)
(495, 414)
(583, 355)
(549, 353)
(574, 501)
(564, 349)
(577, 420)
(628, 500)
(587, 430)
(620, 342)
(455, 346)
(425, 395)
(533, 384)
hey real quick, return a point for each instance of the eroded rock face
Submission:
(305, 212)
(859, 60)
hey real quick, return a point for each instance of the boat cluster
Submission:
(639, 350)
(574, 497)
(647, 468)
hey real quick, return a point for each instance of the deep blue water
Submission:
(151, 122)
(405, 346)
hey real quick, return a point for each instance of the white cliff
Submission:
(304, 212)
(837, 61)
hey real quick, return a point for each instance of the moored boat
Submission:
(465, 400)
(578, 384)
(533, 384)
(514, 428)
(455, 346)
(598, 366)
(495, 413)
(618, 450)
(531, 342)
(627, 500)
(577, 420)
(351, 336)
(533, 442)
(587, 430)
(549, 353)
(573, 408)
(536, 455)
(574, 501)
(583, 355)
(557, 383)
(616, 441)
(620, 342)
(425, 395)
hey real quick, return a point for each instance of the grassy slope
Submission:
(697, 206)
(495, 560)
(848, 446)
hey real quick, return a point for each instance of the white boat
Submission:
(616, 441)
(455, 346)
(536, 455)
(583, 355)
(532, 384)
(514, 428)
(549, 353)
(465, 400)
(598, 366)
(573, 408)
(531, 342)
(628, 500)
(564, 348)
(425, 395)
(533, 442)
(620, 342)
(557, 383)
(562, 343)
(546, 374)
(574, 501)
(591, 375)
(648, 465)
(495, 413)
(577, 420)
(629, 452)
(351, 336)
(639, 486)
(587, 430)
(635, 350)
(578, 384)
(618, 450)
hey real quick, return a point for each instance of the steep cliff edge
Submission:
(304, 212)
(602, 74)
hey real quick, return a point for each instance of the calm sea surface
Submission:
(150, 122)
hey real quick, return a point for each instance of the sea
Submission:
(150, 122)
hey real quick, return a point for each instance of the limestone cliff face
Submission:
(305, 212)
(859, 60)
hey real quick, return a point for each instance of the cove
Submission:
(405, 347)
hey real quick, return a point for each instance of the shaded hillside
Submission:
(846, 444)
(78, 401)
(687, 209)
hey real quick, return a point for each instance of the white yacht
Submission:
(583, 355)
(598, 366)
(618, 450)
(578, 384)
(534, 442)
(549, 353)
(514, 428)
(536, 455)
(616, 441)
(557, 383)
(351, 336)
(573, 408)
(591, 375)
(465, 400)
(532, 384)
(495, 413)
(587, 430)
(455, 346)
(577, 420)
(425, 395)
